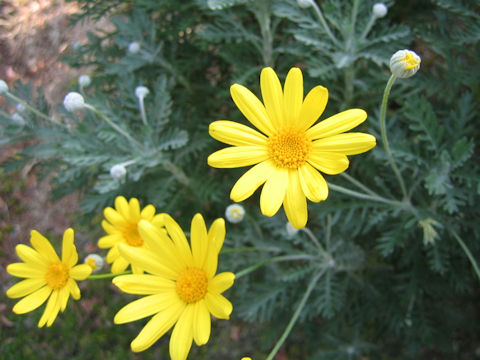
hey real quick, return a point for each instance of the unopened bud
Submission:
(379, 10)
(141, 91)
(304, 3)
(94, 261)
(133, 47)
(84, 80)
(3, 87)
(235, 213)
(404, 63)
(118, 171)
(73, 101)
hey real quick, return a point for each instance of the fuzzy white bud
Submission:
(291, 231)
(18, 119)
(141, 91)
(3, 87)
(380, 10)
(20, 108)
(404, 63)
(133, 47)
(84, 80)
(304, 3)
(118, 171)
(94, 261)
(235, 213)
(73, 101)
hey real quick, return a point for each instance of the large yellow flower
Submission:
(46, 276)
(181, 288)
(122, 227)
(289, 152)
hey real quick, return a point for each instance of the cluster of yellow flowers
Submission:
(178, 278)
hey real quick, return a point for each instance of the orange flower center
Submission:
(131, 235)
(57, 275)
(289, 148)
(192, 285)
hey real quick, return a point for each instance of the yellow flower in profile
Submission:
(181, 287)
(46, 276)
(121, 225)
(288, 152)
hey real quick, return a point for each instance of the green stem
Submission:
(313, 238)
(359, 184)
(384, 135)
(107, 276)
(32, 109)
(324, 24)
(142, 111)
(264, 20)
(359, 195)
(467, 252)
(295, 316)
(244, 249)
(369, 26)
(272, 260)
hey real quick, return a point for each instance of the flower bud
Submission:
(404, 63)
(18, 119)
(141, 91)
(235, 213)
(118, 171)
(73, 101)
(291, 231)
(84, 80)
(133, 47)
(379, 10)
(3, 87)
(94, 261)
(304, 3)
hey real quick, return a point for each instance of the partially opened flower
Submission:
(181, 287)
(288, 151)
(121, 226)
(46, 276)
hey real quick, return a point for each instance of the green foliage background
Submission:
(394, 280)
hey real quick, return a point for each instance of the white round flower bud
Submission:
(379, 10)
(18, 119)
(404, 63)
(304, 3)
(133, 47)
(84, 80)
(73, 101)
(118, 171)
(20, 108)
(291, 231)
(235, 213)
(3, 87)
(141, 91)
(94, 261)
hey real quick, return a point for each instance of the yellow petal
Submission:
(251, 108)
(273, 192)
(148, 212)
(43, 246)
(121, 205)
(348, 144)
(216, 234)
(80, 272)
(337, 124)
(134, 207)
(182, 335)
(251, 180)
(313, 183)
(25, 287)
(74, 289)
(119, 264)
(201, 323)
(211, 261)
(32, 301)
(199, 240)
(313, 106)
(293, 95)
(221, 282)
(113, 216)
(157, 326)
(146, 306)
(295, 203)
(238, 156)
(24, 270)
(109, 228)
(218, 305)
(51, 310)
(69, 252)
(272, 96)
(143, 284)
(178, 237)
(29, 255)
(328, 162)
(233, 133)
(108, 241)
(147, 260)
(64, 295)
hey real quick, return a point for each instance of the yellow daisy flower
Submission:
(121, 225)
(182, 288)
(289, 152)
(46, 276)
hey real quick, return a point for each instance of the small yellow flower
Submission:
(46, 276)
(181, 287)
(121, 225)
(289, 151)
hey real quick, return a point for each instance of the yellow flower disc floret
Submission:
(289, 148)
(131, 235)
(57, 275)
(411, 61)
(192, 285)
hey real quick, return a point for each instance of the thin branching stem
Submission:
(32, 109)
(467, 252)
(107, 276)
(318, 11)
(273, 260)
